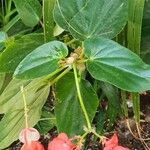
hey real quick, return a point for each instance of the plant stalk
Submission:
(80, 97)
(25, 107)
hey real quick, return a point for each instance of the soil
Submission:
(126, 139)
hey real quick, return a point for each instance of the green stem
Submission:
(136, 8)
(43, 119)
(136, 106)
(82, 138)
(71, 41)
(25, 107)
(10, 14)
(124, 103)
(80, 97)
(54, 73)
(60, 76)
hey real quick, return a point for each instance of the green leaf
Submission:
(100, 118)
(145, 44)
(48, 21)
(11, 98)
(88, 19)
(46, 122)
(30, 11)
(11, 23)
(69, 116)
(17, 50)
(110, 62)
(3, 37)
(13, 121)
(42, 61)
(113, 108)
(2, 80)
(145, 48)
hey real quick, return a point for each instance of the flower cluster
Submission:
(30, 136)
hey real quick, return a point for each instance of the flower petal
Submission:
(113, 142)
(28, 135)
(34, 145)
(61, 142)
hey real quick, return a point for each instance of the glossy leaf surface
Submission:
(17, 50)
(87, 19)
(42, 61)
(69, 116)
(112, 63)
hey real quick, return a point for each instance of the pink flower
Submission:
(112, 144)
(61, 142)
(34, 145)
(30, 137)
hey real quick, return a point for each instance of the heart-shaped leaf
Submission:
(42, 61)
(69, 115)
(17, 50)
(88, 19)
(108, 61)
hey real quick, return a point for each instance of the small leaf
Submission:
(88, 19)
(69, 115)
(100, 120)
(113, 109)
(17, 50)
(46, 123)
(42, 61)
(110, 62)
(57, 30)
(13, 121)
(30, 11)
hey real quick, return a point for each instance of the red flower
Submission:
(61, 142)
(34, 145)
(112, 144)
(30, 137)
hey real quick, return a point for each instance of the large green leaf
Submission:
(69, 116)
(88, 19)
(42, 61)
(17, 50)
(30, 11)
(11, 98)
(13, 121)
(108, 61)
